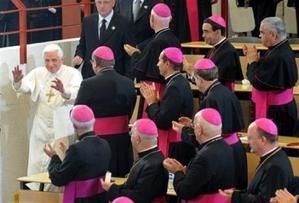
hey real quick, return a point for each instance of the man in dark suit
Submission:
(104, 28)
(8, 22)
(139, 17)
(112, 97)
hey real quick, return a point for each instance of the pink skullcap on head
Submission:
(212, 116)
(204, 64)
(162, 10)
(104, 52)
(82, 116)
(174, 54)
(122, 199)
(146, 126)
(218, 20)
(267, 126)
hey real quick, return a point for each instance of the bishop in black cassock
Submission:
(217, 96)
(274, 170)
(147, 180)
(273, 77)
(223, 54)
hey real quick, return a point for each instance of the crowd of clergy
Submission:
(202, 152)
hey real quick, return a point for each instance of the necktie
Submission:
(136, 8)
(102, 29)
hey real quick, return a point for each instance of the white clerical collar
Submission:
(269, 152)
(224, 38)
(212, 138)
(171, 75)
(107, 18)
(148, 148)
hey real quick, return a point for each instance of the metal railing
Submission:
(23, 29)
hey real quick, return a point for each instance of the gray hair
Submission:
(52, 48)
(149, 139)
(165, 21)
(209, 129)
(276, 25)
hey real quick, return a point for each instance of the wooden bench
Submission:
(237, 45)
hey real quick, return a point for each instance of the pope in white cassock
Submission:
(52, 86)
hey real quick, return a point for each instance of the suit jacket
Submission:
(117, 34)
(142, 28)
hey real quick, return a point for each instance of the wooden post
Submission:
(71, 19)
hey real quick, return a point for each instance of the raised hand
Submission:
(58, 85)
(17, 74)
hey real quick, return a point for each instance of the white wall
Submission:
(16, 115)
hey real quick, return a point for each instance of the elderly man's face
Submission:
(52, 61)
(104, 7)
(268, 38)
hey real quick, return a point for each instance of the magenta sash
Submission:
(263, 99)
(111, 125)
(159, 91)
(231, 138)
(165, 138)
(193, 16)
(82, 189)
(208, 198)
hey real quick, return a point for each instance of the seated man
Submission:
(212, 167)
(85, 162)
(148, 179)
(274, 170)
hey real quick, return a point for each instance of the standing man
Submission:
(273, 76)
(218, 97)
(138, 12)
(85, 162)
(148, 179)
(212, 167)
(112, 98)
(104, 28)
(188, 17)
(144, 63)
(274, 170)
(229, 70)
(262, 9)
(176, 101)
(50, 87)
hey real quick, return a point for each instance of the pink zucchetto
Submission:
(122, 199)
(267, 126)
(146, 127)
(104, 52)
(212, 116)
(204, 64)
(174, 54)
(82, 116)
(218, 20)
(162, 10)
